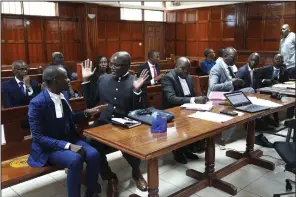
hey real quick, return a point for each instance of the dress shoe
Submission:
(180, 158)
(191, 156)
(140, 182)
(263, 141)
(112, 190)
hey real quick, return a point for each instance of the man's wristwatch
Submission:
(86, 114)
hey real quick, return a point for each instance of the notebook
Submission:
(125, 122)
(217, 95)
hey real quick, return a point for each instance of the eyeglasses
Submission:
(22, 69)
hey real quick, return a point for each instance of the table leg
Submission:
(208, 178)
(251, 155)
(153, 179)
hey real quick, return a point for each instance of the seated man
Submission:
(178, 89)
(248, 73)
(123, 93)
(152, 65)
(220, 58)
(19, 90)
(222, 77)
(207, 64)
(58, 59)
(55, 140)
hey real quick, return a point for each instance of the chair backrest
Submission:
(204, 84)
(154, 96)
(18, 139)
(196, 84)
(31, 71)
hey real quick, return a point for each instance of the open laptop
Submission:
(241, 102)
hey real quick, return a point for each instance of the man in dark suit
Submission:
(55, 140)
(178, 89)
(58, 59)
(122, 92)
(152, 65)
(248, 73)
(19, 90)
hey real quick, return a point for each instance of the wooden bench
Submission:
(31, 71)
(14, 153)
(36, 77)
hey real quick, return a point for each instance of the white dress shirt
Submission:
(251, 74)
(186, 89)
(152, 67)
(30, 90)
(234, 68)
(57, 100)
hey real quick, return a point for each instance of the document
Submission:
(281, 85)
(200, 107)
(125, 122)
(210, 116)
(263, 102)
(217, 95)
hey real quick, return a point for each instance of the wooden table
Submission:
(143, 144)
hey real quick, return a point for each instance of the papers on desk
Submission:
(125, 122)
(281, 85)
(217, 95)
(200, 107)
(264, 102)
(210, 116)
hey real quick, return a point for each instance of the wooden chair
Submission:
(154, 96)
(204, 85)
(14, 152)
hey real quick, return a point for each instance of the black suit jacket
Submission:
(267, 73)
(118, 94)
(12, 95)
(172, 90)
(146, 66)
(244, 74)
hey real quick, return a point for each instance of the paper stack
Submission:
(200, 107)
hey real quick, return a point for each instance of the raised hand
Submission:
(86, 68)
(138, 82)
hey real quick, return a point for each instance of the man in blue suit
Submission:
(19, 90)
(55, 141)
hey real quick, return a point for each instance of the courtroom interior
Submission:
(148, 98)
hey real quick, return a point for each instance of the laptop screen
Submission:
(238, 99)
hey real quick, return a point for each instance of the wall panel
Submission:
(180, 48)
(36, 54)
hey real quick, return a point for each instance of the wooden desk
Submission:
(143, 144)
(284, 91)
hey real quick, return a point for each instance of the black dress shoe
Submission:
(191, 156)
(180, 158)
(263, 141)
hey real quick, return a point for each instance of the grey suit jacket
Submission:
(219, 79)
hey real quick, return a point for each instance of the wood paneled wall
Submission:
(246, 26)
(34, 38)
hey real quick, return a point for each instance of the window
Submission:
(139, 3)
(150, 15)
(29, 8)
(39, 8)
(130, 14)
(11, 7)
(153, 4)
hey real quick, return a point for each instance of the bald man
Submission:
(122, 92)
(58, 59)
(19, 90)
(178, 89)
(287, 50)
(222, 77)
(248, 73)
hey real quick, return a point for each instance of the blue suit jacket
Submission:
(47, 131)
(12, 95)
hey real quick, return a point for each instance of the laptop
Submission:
(241, 102)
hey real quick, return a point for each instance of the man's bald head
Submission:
(55, 78)
(254, 60)
(183, 66)
(285, 30)
(120, 63)
(57, 58)
(230, 56)
(19, 69)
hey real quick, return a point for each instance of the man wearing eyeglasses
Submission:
(19, 90)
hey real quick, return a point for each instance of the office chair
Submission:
(287, 151)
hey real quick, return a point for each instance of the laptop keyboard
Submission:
(251, 107)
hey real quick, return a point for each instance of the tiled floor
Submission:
(251, 181)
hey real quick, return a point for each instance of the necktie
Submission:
(231, 72)
(276, 73)
(22, 88)
(154, 71)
